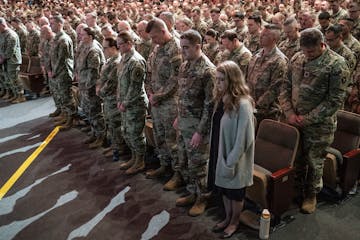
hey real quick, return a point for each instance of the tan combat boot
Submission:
(12, 98)
(309, 204)
(156, 173)
(60, 117)
(97, 143)
(19, 99)
(6, 96)
(128, 164)
(174, 183)
(55, 113)
(199, 207)
(90, 139)
(186, 201)
(138, 166)
(68, 124)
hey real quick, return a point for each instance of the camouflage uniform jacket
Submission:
(62, 55)
(72, 34)
(241, 32)
(108, 77)
(219, 26)
(212, 52)
(252, 42)
(44, 50)
(10, 47)
(131, 76)
(23, 34)
(356, 29)
(241, 56)
(195, 92)
(162, 71)
(289, 48)
(32, 43)
(353, 45)
(348, 55)
(265, 75)
(90, 61)
(201, 27)
(315, 89)
(144, 48)
(342, 13)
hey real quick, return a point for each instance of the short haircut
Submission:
(229, 34)
(275, 30)
(193, 36)
(336, 29)
(290, 21)
(311, 37)
(126, 37)
(256, 19)
(112, 42)
(169, 16)
(156, 23)
(58, 18)
(90, 31)
(211, 32)
(324, 16)
(215, 10)
(196, 9)
(239, 14)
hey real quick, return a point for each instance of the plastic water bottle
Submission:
(264, 224)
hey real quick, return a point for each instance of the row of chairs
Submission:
(31, 74)
(277, 146)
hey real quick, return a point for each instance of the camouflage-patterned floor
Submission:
(72, 192)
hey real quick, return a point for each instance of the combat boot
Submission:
(128, 164)
(156, 173)
(56, 113)
(174, 183)
(85, 129)
(106, 151)
(2, 92)
(115, 155)
(138, 165)
(6, 96)
(68, 124)
(186, 201)
(12, 98)
(19, 99)
(61, 120)
(309, 204)
(90, 139)
(99, 142)
(199, 207)
(60, 117)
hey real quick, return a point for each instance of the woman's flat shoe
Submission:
(226, 235)
(217, 229)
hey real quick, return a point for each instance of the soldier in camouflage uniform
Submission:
(217, 24)
(161, 87)
(354, 14)
(33, 38)
(266, 72)
(10, 60)
(199, 25)
(131, 102)
(237, 52)
(311, 95)
(62, 70)
(47, 36)
(291, 44)
(106, 89)
(145, 46)
(252, 40)
(240, 28)
(21, 31)
(196, 78)
(212, 48)
(89, 63)
(337, 11)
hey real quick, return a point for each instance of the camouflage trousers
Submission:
(54, 92)
(63, 87)
(164, 133)
(309, 165)
(192, 163)
(133, 123)
(112, 118)
(10, 76)
(91, 106)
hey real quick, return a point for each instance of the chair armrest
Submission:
(350, 170)
(280, 174)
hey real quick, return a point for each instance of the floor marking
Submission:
(8, 232)
(5, 139)
(7, 204)
(36, 136)
(4, 189)
(156, 223)
(19, 150)
(84, 230)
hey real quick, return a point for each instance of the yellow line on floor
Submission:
(4, 189)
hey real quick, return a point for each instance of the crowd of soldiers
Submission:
(133, 58)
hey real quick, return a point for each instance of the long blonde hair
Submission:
(236, 88)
